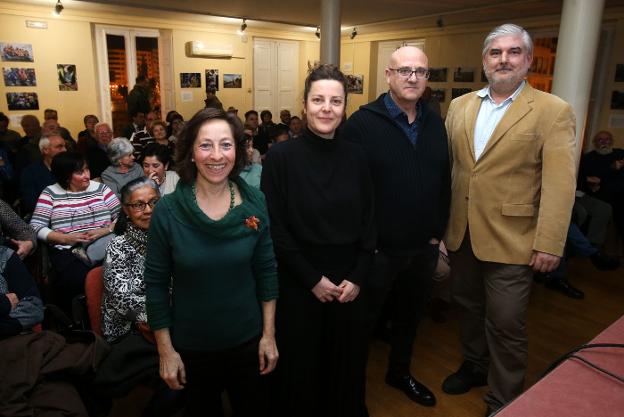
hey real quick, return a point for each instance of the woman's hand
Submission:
(172, 369)
(350, 291)
(267, 353)
(325, 290)
(95, 234)
(153, 176)
(71, 239)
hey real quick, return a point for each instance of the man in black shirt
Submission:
(406, 146)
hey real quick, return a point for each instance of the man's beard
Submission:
(604, 151)
(505, 85)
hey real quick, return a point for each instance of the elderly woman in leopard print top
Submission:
(123, 303)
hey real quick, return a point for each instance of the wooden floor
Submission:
(556, 324)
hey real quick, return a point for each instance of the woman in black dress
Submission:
(319, 195)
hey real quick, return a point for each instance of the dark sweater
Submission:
(221, 271)
(320, 200)
(35, 178)
(412, 182)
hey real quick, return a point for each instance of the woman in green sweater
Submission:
(209, 241)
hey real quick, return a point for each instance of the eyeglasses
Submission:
(406, 72)
(140, 206)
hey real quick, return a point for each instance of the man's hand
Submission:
(12, 299)
(325, 290)
(24, 247)
(350, 291)
(544, 262)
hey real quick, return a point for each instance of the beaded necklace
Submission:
(232, 195)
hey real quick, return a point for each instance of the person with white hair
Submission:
(123, 169)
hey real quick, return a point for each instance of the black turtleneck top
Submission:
(320, 199)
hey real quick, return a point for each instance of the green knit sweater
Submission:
(219, 271)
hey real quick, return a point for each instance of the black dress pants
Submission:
(404, 284)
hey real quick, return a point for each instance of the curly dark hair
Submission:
(325, 72)
(185, 167)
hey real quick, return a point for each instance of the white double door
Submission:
(276, 76)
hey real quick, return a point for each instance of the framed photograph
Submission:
(355, 84)
(619, 73)
(438, 75)
(212, 79)
(456, 92)
(22, 101)
(617, 100)
(22, 77)
(67, 77)
(232, 81)
(439, 94)
(16, 52)
(463, 75)
(190, 80)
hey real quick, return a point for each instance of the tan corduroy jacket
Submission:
(517, 198)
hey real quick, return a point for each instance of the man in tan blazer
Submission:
(513, 180)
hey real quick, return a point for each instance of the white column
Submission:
(579, 35)
(330, 32)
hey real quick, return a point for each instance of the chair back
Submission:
(94, 288)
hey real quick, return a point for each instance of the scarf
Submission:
(136, 237)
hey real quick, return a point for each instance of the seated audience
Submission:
(97, 158)
(175, 124)
(123, 169)
(38, 175)
(267, 125)
(51, 114)
(87, 136)
(156, 160)
(159, 135)
(285, 119)
(29, 144)
(133, 358)
(137, 125)
(260, 140)
(9, 138)
(255, 158)
(15, 233)
(51, 127)
(296, 127)
(232, 111)
(279, 134)
(252, 171)
(601, 174)
(20, 303)
(74, 212)
(142, 138)
(212, 101)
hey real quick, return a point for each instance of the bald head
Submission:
(406, 75)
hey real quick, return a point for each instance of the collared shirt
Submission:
(400, 117)
(490, 114)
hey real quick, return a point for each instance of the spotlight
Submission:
(242, 28)
(317, 33)
(354, 33)
(58, 8)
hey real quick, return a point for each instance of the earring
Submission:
(192, 159)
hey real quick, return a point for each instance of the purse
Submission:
(92, 253)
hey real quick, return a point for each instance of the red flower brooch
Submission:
(252, 222)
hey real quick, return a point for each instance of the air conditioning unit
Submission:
(198, 49)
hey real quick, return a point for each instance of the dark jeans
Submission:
(235, 370)
(68, 278)
(404, 283)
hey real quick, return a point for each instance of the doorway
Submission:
(276, 75)
(123, 54)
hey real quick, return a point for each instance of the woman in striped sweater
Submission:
(74, 210)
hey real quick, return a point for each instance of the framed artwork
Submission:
(456, 92)
(67, 77)
(463, 75)
(232, 81)
(19, 77)
(617, 100)
(16, 52)
(22, 101)
(212, 79)
(190, 80)
(439, 94)
(438, 75)
(355, 84)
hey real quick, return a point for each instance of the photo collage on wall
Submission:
(14, 53)
(457, 75)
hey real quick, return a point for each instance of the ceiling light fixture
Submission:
(58, 8)
(318, 32)
(242, 28)
(354, 33)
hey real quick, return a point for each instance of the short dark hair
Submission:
(295, 118)
(249, 113)
(161, 152)
(185, 167)
(171, 115)
(278, 130)
(90, 116)
(134, 113)
(3, 117)
(64, 165)
(265, 113)
(325, 72)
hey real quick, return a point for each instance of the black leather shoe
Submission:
(603, 262)
(466, 378)
(563, 286)
(413, 389)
